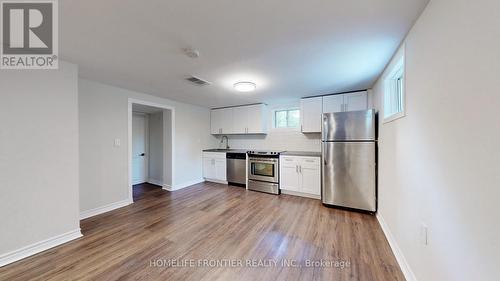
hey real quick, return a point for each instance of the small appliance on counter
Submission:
(263, 171)
(349, 146)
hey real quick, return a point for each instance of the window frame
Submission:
(395, 91)
(288, 109)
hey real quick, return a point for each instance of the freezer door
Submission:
(349, 175)
(349, 126)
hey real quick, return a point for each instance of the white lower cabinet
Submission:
(214, 166)
(300, 175)
(289, 174)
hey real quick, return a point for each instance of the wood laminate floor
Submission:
(209, 223)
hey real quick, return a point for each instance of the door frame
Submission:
(132, 101)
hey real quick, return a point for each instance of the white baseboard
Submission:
(182, 185)
(38, 247)
(155, 182)
(403, 264)
(301, 194)
(104, 209)
(216, 181)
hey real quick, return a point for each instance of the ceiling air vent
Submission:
(198, 81)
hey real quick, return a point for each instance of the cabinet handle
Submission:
(297, 169)
(300, 169)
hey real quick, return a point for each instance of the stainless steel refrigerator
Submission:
(349, 160)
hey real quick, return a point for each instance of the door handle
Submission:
(142, 154)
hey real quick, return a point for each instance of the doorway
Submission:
(151, 145)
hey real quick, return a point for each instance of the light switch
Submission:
(118, 142)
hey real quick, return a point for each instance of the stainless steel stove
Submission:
(263, 171)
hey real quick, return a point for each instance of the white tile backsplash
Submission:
(289, 140)
(277, 139)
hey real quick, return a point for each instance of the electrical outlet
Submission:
(117, 143)
(424, 234)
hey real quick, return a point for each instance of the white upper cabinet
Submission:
(215, 121)
(345, 102)
(240, 120)
(221, 121)
(356, 101)
(311, 109)
(250, 119)
(334, 103)
(256, 119)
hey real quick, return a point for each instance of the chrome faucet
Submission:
(227, 141)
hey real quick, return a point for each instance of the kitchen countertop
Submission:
(289, 153)
(225, 150)
(302, 153)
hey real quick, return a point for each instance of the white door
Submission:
(356, 101)
(310, 176)
(311, 110)
(333, 103)
(139, 149)
(289, 177)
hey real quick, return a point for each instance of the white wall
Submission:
(439, 165)
(38, 155)
(103, 118)
(155, 155)
(277, 139)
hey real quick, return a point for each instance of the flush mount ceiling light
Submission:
(245, 86)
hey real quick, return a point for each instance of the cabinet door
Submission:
(289, 176)
(240, 120)
(220, 169)
(209, 168)
(356, 101)
(216, 121)
(310, 175)
(311, 110)
(334, 103)
(256, 119)
(227, 120)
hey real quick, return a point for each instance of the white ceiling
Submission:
(290, 48)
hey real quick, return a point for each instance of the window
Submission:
(394, 94)
(288, 118)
